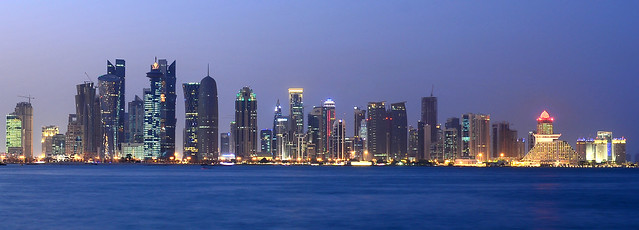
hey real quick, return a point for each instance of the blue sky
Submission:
(509, 59)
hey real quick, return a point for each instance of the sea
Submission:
(316, 197)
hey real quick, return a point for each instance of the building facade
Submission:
(207, 120)
(245, 128)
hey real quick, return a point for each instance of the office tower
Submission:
(413, 141)
(58, 148)
(326, 122)
(619, 150)
(167, 108)
(225, 143)
(452, 138)
(296, 104)
(245, 135)
(337, 141)
(120, 114)
(585, 149)
(548, 148)
(14, 135)
(207, 119)
(73, 143)
(136, 121)
(359, 116)
(24, 112)
(314, 138)
(48, 132)
(475, 137)
(87, 110)
(266, 139)
(377, 131)
(277, 115)
(191, 94)
(429, 115)
(398, 131)
(603, 147)
(504, 141)
(281, 138)
(424, 143)
(111, 136)
(152, 113)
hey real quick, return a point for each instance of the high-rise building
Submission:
(475, 137)
(337, 141)
(58, 147)
(167, 108)
(429, 115)
(452, 138)
(282, 138)
(73, 143)
(314, 137)
(87, 110)
(326, 122)
(296, 105)
(619, 150)
(48, 132)
(424, 143)
(191, 94)
(277, 115)
(378, 134)
(153, 98)
(24, 112)
(14, 135)
(504, 141)
(398, 131)
(225, 143)
(603, 148)
(207, 119)
(266, 139)
(548, 148)
(359, 116)
(585, 148)
(119, 70)
(111, 136)
(245, 134)
(413, 141)
(136, 121)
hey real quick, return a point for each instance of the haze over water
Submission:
(305, 197)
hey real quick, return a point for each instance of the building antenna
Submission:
(208, 69)
(431, 90)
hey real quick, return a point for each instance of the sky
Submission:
(579, 60)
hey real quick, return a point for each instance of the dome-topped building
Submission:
(548, 149)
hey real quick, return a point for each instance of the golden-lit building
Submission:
(548, 148)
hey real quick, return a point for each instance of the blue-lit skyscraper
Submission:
(152, 110)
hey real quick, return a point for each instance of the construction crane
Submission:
(27, 97)
(85, 73)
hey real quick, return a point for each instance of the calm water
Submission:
(280, 197)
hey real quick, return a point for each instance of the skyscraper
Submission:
(296, 105)
(504, 141)
(191, 94)
(452, 136)
(619, 150)
(48, 132)
(377, 131)
(24, 111)
(225, 143)
(337, 141)
(87, 107)
(266, 139)
(413, 141)
(167, 108)
(282, 137)
(14, 135)
(245, 135)
(314, 136)
(119, 113)
(327, 120)
(429, 115)
(152, 113)
(73, 142)
(111, 136)
(136, 121)
(207, 121)
(476, 137)
(359, 116)
(277, 115)
(398, 131)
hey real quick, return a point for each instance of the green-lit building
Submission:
(14, 135)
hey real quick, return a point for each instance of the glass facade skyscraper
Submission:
(112, 130)
(207, 119)
(296, 104)
(152, 117)
(191, 94)
(245, 133)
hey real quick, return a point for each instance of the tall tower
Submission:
(245, 135)
(504, 141)
(14, 135)
(136, 121)
(87, 109)
(315, 142)
(73, 142)
(398, 131)
(277, 115)
(167, 109)
(24, 112)
(338, 138)
(152, 113)
(191, 94)
(207, 121)
(328, 118)
(48, 133)
(120, 115)
(112, 129)
(359, 116)
(429, 115)
(476, 136)
(296, 104)
(378, 134)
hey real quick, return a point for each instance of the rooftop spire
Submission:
(208, 69)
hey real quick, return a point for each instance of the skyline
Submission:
(344, 63)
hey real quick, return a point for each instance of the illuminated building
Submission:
(504, 141)
(277, 115)
(378, 134)
(281, 138)
(413, 141)
(314, 138)
(111, 135)
(296, 104)
(327, 121)
(398, 131)
(429, 115)
(14, 135)
(133, 151)
(207, 120)
(475, 137)
(48, 132)
(451, 138)
(619, 150)
(119, 70)
(225, 143)
(266, 139)
(152, 113)
(423, 141)
(24, 112)
(359, 117)
(73, 142)
(191, 94)
(136, 121)
(337, 140)
(548, 149)
(245, 134)
(87, 106)
(167, 108)
(58, 147)
(604, 148)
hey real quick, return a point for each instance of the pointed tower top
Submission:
(208, 69)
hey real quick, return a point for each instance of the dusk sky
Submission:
(510, 59)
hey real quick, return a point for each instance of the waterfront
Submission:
(306, 197)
